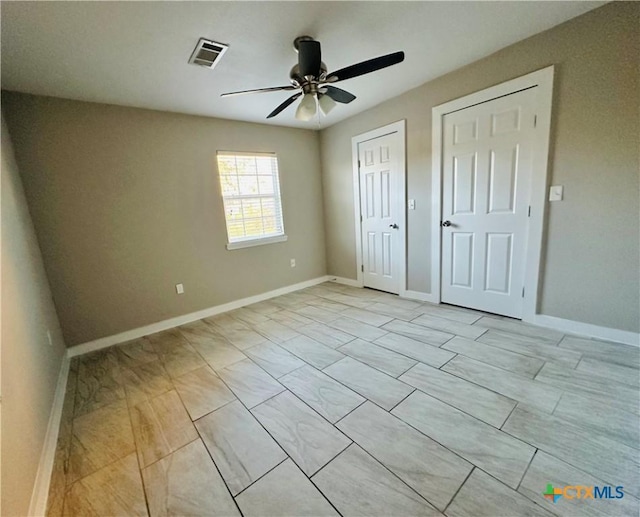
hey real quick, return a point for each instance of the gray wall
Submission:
(30, 366)
(592, 248)
(126, 204)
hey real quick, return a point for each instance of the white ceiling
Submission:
(136, 53)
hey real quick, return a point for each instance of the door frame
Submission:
(399, 128)
(543, 79)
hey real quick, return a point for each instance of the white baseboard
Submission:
(421, 297)
(40, 494)
(345, 281)
(139, 332)
(587, 329)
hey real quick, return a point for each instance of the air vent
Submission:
(207, 53)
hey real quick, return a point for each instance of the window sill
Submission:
(256, 242)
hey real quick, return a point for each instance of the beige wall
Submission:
(30, 366)
(592, 254)
(126, 204)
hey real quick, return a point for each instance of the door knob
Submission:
(445, 223)
(394, 226)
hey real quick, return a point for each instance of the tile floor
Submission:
(334, 400)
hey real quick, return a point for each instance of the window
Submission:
(251, 195)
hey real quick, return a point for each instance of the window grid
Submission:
(251, 195)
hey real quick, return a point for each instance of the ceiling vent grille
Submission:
(207, 53)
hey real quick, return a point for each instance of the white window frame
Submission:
(248, 242)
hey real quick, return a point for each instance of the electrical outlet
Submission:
(293, 262)
(49, 338)
(179, 288)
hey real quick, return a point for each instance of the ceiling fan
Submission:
(310, 77)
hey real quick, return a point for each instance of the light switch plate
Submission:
(556, 192)
(412, 204)
(179, 288)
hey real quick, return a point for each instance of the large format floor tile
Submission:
(198, 332)
(622, 374)
(98, 439)
(418, 332)
(290, 319)
(600, 417)
(145, 381)
(625, 355)
(305, 436)
(187, 483)
(394, 311)
(452, 327)
(243, 338)
(202, 391)
(533, 394)
(99, 382)
(358, 485)
(219, 353)
(370, 383)
(274, 359)
(426, 466)
(451, 312)
(613, 462)
(516, 363)
(530, 346)
(546, 470)
(312, 352)
(329, 398)
(423, 352)
(486, 405)
(379, 357)
(135, 352)
(368, 317)
(114, 490)
(250, 383)
(161, 425)
(274, 331)
(499, 454)
(284, 491)
(263, 410)
(606, 390)
(358, 329)
(352, 301)
(319, 314)
(516, 327)
(484, 496)
(241, 449)
(326, 335)
(181, 360)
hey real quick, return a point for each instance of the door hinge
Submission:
(528, 214)
(535, 120)
(358, 164)
(362, 268)
(523, 292)
(360, 217)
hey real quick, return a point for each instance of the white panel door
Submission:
(486, 184)
(379, 203)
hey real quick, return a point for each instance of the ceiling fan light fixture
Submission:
(307, 108)
(326, 104)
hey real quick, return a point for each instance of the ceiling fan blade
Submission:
(365, 67)
(260, 90)
(309, 58)
(284, 105)
(339, 95)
